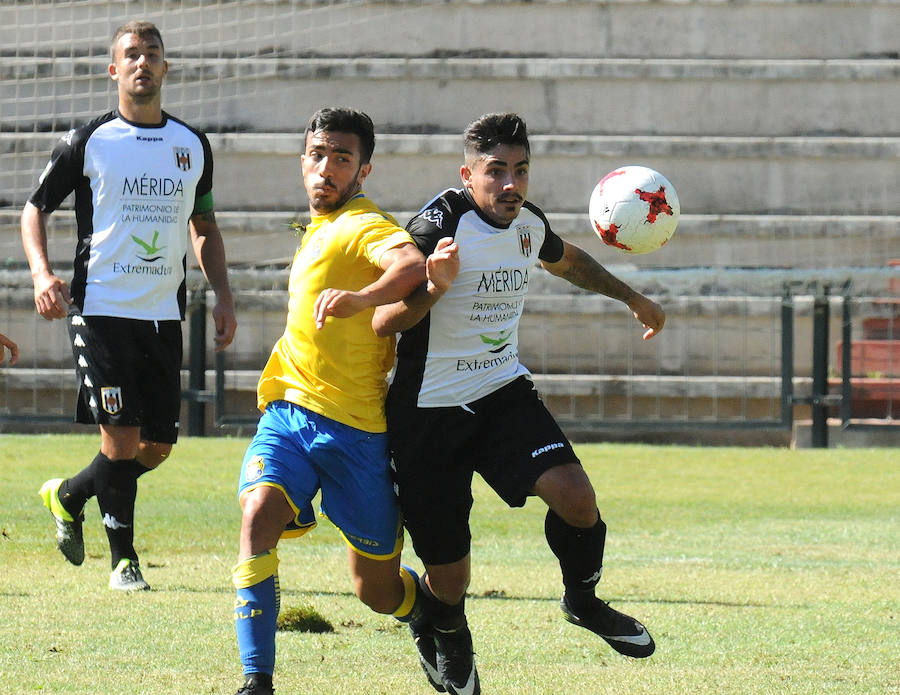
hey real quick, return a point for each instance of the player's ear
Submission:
(465, 173)
(364, 171)
(113, 71)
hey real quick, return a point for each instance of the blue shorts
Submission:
(300, 452)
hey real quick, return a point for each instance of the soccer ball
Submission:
(634, 209)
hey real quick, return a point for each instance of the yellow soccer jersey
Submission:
(339, 371)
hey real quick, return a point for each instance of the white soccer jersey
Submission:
(136, 187)
(468, 344)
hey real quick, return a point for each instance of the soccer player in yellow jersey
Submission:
(322, 396)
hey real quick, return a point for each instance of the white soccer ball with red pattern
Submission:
(634, 209)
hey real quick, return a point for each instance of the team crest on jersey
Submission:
(525, 240)
(111, 396)
(255, 469)
(183, 158)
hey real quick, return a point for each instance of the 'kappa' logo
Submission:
(435, 216)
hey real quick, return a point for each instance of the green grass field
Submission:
(758, 571)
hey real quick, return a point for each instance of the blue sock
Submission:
(256, 611)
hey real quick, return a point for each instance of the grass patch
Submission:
(758, 572)
(303, 618)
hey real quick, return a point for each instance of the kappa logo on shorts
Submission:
(111, 396)
(545, 449)
(255, 469)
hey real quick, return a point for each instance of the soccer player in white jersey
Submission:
(142, 181)
(461, 401)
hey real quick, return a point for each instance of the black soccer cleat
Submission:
(623, 633)
(257, 684)
(456, 661)
(423, 636)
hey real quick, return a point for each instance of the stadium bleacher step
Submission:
(590, 28)
(555, 95)
(723, 175)
(265, 238)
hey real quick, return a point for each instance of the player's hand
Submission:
(442, 266)
(13, 350)
(225, 322)
(51, 297)
(338, 303)
(649, 313)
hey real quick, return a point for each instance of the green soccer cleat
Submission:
(127, 577)
(69, 536)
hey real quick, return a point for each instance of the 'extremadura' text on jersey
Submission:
(467, 346)
(136, 187)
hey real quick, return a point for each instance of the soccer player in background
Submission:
(461, 401)
(143, 184)
(322, 396)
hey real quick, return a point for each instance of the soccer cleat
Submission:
(623, 633)
(69, 535)
(423, 636)
(257, 684)
(127, 577)
(456, 661)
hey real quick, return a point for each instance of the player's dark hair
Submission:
(493, 129)
(344, 120)
(140, 28)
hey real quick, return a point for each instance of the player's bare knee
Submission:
(152, 454)
(449, 590)
(377, 596)
(583, 515)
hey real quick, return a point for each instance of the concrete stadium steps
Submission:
(559, 95)
(599, 28)
(713, 175)
(585, 405)
(723, 175)
(776, 241)
(711, 329)
(804, 242)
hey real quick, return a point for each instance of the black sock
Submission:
(116, 492)
(580, 555)
(442, 615)
(138, 469)
(74, 492)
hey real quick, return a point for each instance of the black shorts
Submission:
(509, 437)
(129, 373)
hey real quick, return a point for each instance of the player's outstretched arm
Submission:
(209, 250)
(51, 293)
(404, 269)
(441, 268)
(582, 270)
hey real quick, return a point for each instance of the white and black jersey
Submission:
(136, 187)
(467, 345)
